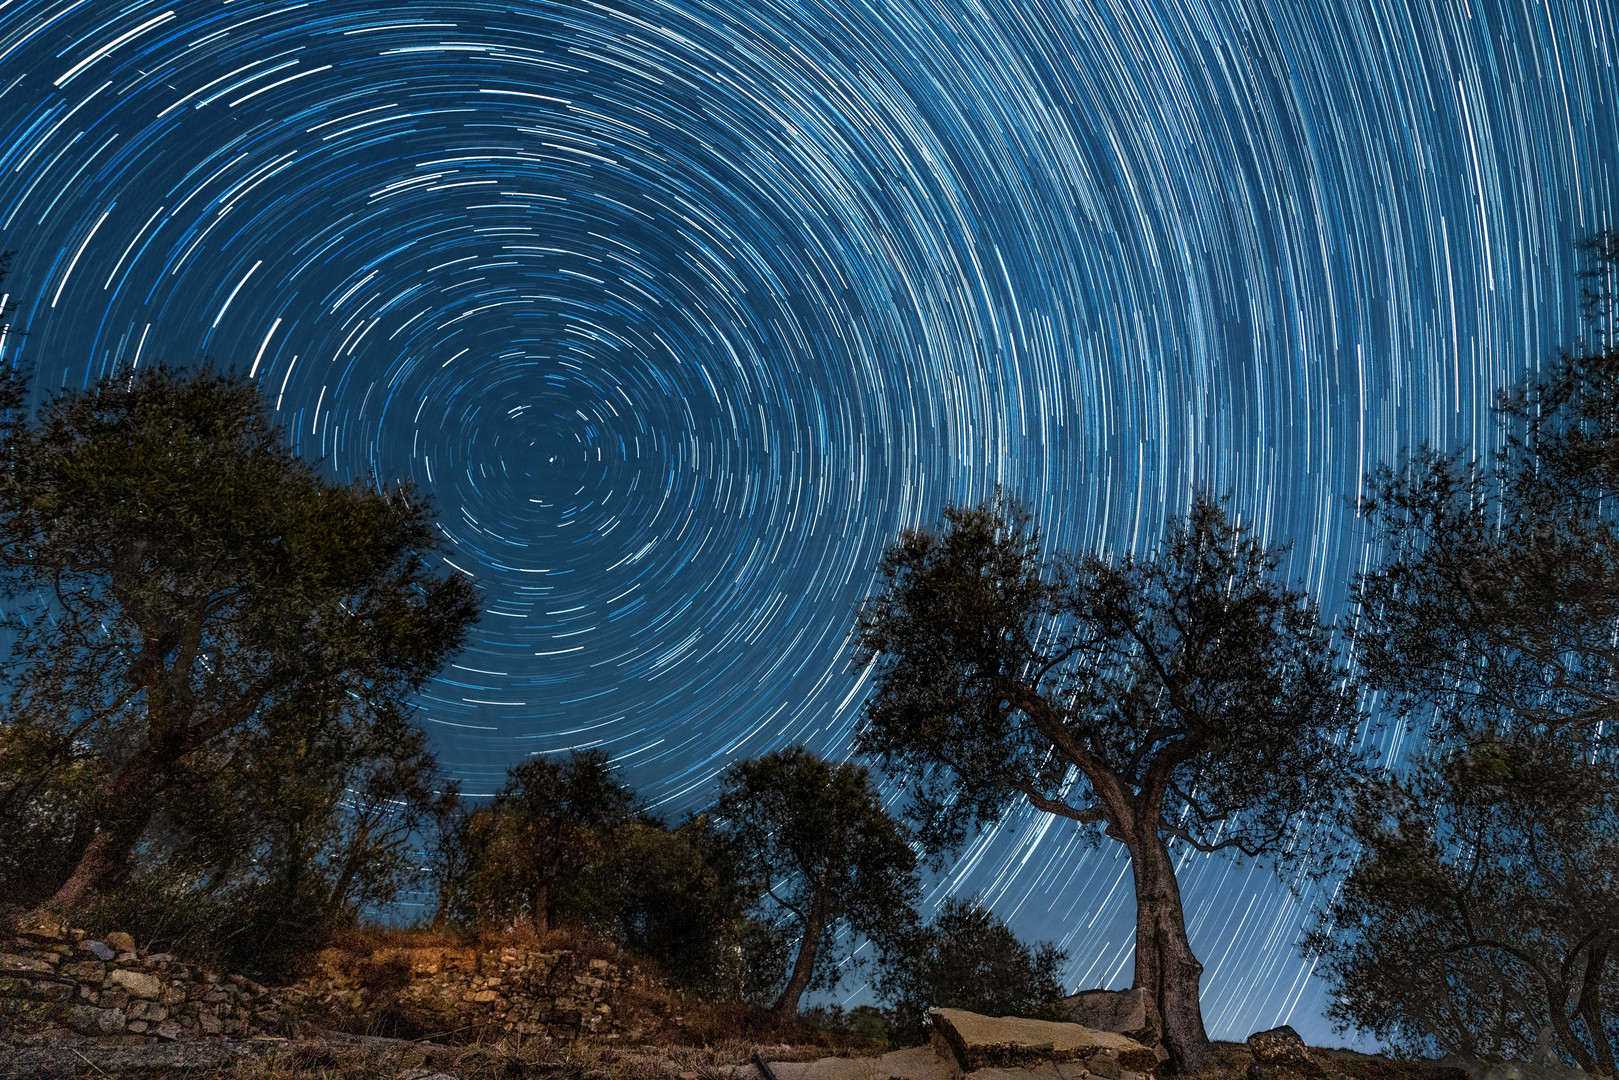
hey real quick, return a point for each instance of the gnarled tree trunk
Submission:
(804, 966)
(1165, 965)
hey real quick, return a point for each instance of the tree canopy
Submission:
(813, 841)
(186, 586)
(1480, 917)
(550, 820)
(1497, 603)
(1186, 696)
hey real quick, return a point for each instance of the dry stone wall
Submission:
(63, 987)
(504, 988)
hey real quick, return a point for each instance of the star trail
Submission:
(680, 310)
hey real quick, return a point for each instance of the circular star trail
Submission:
(679, 310)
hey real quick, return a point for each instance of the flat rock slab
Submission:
(984, 1042)
(1128, 1012)
(832, 1068)
(1045, 1070)
(912, 1063)
(919, 1063)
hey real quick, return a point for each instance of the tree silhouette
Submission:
(1188, 696)
(814, 840)
(183, 579)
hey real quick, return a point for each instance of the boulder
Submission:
(982, 1042)
(1280, 1054)
(1131, 1013)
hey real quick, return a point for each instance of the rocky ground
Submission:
(409, 1007)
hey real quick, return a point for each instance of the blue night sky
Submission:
(681, 310)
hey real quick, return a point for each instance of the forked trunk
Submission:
(1592, 1012)
(1165, 965)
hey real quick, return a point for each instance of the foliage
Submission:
(562, 834)
(201, 622)
(550, 821)
(47, 811)
(322, 830)
(765, 955)
(1480, 918)
(677, 901)
(861, 1022)
(1497, 604)
(966, 958)
(1192, 677)
(813, 841)
(1187, 696)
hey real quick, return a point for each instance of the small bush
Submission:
(967, 959)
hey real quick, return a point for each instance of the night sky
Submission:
(680, 310)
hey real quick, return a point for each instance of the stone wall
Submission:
(65, 988)
(503, 988)
(62, 987)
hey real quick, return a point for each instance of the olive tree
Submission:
(1188, 696)
(1481, 915)
(1484, 902)
(551, 820)
(812, 840)
(182, 581)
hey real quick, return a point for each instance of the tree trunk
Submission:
(540, 916)
(1165, 965)
(1556, 996)
(106, 859)
(804, 966)
(1591, 1011)
(351, 866)
(441, 914)
(101, 860)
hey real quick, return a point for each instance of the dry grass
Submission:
(589, 1059)
(365, 939)
(501, 1060)
(1229, 1061)
(1349, 1065)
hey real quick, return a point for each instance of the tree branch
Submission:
(1088, 816)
